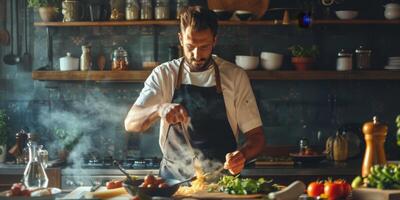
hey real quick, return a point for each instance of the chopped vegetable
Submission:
(243, 186)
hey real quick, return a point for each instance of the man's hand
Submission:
(234, 162)
(173, 113)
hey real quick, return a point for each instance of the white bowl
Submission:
(271, 61)
(247, 62)
(346, 14)
(392, 13)
(392, 6)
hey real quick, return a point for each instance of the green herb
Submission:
(3, 127)
(43, 3)
(384, 177)
(243, 186)
(300, 51)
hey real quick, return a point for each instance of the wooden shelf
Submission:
(224, 23)
(141, 75)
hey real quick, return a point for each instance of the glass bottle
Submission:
(180, 4)
(146, 11)
(86, 59)
(132, 10)
(162, 9)
(34, 174)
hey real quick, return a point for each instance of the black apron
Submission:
(211, 135)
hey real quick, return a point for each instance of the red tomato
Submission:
(135, 198)
(118, 184)
(315, 189)
(159, 181)
(110, 185)
(16, 189)
(163, 185)
(150, 179)
(333, 190)
(346, 187)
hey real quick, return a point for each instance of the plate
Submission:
(307, 158)
(392, 67)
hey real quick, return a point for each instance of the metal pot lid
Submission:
(344, 53)
(362, 49)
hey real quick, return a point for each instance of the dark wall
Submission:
(289, 109)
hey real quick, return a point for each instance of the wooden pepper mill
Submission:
(375, 136)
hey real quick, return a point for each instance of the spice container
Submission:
(180, 4)
(68, 63)
(363, 58)
(120, 59)
(132, 10)
(162, 9)
(146, 10)
(86, 58)
(344, 61)
(117, 9)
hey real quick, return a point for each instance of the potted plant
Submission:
(48, 9)
(303, 57)
(66, 139)
(3, 135)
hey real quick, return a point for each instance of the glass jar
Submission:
(146, 10)
(344, 61)
(180, 4)
(363, 58)
(117, 10)
(120, 60)
(162, 9)
(43, 156)
(132, 10)
(34, 175)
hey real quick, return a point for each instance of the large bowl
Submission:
(247, 62)
(243, 15)
(134, 189)
(392, 13)
(346, 14)
(307, 159)
(223, 14)
(271, 61)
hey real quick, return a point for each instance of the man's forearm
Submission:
(254, 144)
(141, 118)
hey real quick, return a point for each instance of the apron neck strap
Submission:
(217, 75)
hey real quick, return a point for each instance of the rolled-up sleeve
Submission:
(151, 93)
(247, 113)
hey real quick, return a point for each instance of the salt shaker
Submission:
(86, 59)
(363, 57)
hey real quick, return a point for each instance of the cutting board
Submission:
(221, 195)
(375, 194)
(81, 193)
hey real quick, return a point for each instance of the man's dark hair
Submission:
(199, 18)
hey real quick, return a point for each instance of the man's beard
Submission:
(198, 68)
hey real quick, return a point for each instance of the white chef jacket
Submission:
(240, 103)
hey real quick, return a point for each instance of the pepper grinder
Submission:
(375, 136)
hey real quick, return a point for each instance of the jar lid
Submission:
(120, 52)
(362, 49)
(344, 53)
(68, 54)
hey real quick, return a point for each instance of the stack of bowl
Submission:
(271, 61)
(393, 63)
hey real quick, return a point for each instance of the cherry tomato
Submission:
(110, 185)
(315, 189)
(333, 190)
(346, 187)
(159, 181)
(135, 198)
(118, 184)
(150, 179)
(16, 189)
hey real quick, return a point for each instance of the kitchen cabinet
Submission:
(141, 75)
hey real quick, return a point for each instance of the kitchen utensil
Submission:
(26, 57)
(11, 59)
(243, 15)
(211, 176)
(223, 14)
(344, 61)
(128, 177)
(375, 136)
(4, 34)
(173, 185)
(186, 135)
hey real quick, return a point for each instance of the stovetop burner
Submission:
(129, 163)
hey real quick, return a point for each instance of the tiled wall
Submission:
(98, 109)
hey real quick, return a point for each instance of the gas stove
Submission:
(95, 171)
(129, 163)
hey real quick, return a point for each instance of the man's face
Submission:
(197, 47)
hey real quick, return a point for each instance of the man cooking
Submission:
(213, 95)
